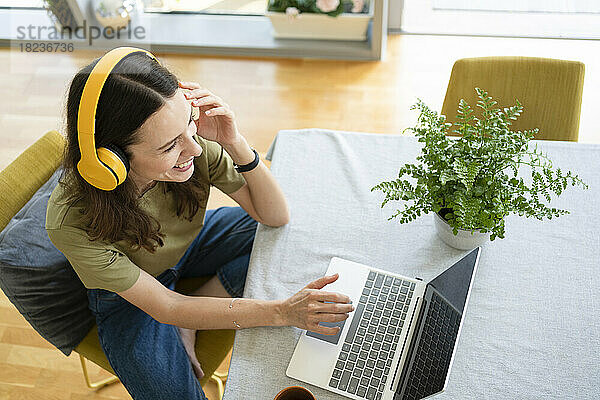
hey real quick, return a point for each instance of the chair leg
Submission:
(95, 385)
(222, 376)
(219, 379)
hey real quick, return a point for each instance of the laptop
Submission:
(398, 343)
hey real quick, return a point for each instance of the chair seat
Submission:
(212, 346)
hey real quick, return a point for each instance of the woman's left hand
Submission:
(216, 121)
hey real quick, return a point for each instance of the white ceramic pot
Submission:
(346, 26)
(464, 240)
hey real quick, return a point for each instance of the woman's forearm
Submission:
(267, 197)
(205, 313)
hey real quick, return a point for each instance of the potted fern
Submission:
(471, 183)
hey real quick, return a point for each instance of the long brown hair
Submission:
(136, 88)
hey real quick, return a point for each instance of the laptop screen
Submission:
(454, 283)
(432, 348)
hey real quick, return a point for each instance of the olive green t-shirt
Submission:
(116, 266)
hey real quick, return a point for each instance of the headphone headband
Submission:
(103, 168)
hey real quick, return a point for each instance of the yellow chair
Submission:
(549, 90)
(18, 183)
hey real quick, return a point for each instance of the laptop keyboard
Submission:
(434, 350)
(366, 357)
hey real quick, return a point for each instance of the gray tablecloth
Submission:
(532, 326)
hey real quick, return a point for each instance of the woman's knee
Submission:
(147, 363)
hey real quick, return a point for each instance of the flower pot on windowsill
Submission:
(463, 240)
(346, 26)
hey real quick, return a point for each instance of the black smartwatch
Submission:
(248, 167)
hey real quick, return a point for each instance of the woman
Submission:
(130, 245)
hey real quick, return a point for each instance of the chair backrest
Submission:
(549, 90)
(27, 173)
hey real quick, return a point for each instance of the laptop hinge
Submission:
(408, 360)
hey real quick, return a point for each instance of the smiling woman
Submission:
(138, 110)
(161, 157)
(131, 242)
(113, 236)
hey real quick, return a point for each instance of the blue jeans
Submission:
(149, 357)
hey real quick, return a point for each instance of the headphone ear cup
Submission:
(121, 154)
(115, 160)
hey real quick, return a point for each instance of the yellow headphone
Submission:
(106, 167)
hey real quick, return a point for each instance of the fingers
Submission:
(202, 96)
(188, 85)
(331, 317)
(322, 282)
(331, 296)
(207, 100)
(219, 111)
(334, 308)
(325, 330)
(197, 93)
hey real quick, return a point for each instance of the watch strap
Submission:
(248, 167)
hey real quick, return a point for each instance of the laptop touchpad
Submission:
(328, 338)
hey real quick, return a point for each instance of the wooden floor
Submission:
(267, 95)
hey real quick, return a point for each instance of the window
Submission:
(531, 6)
(223, 27)
(528, 18)
(21, 4)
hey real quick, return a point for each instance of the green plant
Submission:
(474, 181)
(332, 8)
(61, 12)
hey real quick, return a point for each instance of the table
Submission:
(532, 325)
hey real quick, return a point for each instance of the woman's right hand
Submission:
(306, 308)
